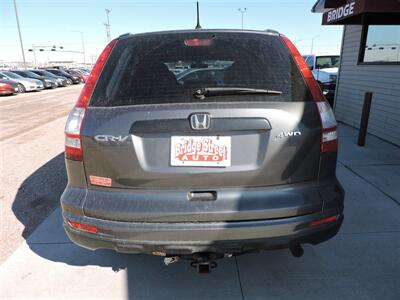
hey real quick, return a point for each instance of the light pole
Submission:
(93, 58)
(242, 11)
(19, 33)
(108, 25)
(312, 43)
(83, 45)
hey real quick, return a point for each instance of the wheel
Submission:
(69, 81)
(21, 88)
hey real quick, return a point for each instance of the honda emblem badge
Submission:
(200, 121)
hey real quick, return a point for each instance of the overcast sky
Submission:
(53, 22)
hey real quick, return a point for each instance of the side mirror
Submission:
(311, 68)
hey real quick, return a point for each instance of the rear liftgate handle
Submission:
(202, 196)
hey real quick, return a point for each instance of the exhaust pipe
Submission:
(297, 250)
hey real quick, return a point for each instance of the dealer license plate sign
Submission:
(201, 151)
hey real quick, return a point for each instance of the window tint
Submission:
(324, 62)
(382, 44)
(43, 73)
(169, 68)
(29, 73)
(13, 75)
(309, 61)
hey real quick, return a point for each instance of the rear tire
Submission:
(21, 88)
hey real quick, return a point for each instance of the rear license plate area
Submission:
(201, 151)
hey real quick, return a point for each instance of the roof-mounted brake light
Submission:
(198, 42)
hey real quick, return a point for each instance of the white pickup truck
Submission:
(325, 70)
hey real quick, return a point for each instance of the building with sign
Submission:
(370, 62)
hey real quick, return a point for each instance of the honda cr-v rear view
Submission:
(201, 144)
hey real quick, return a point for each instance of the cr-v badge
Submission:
(104, 138)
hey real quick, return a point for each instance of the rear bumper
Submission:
(189, 238)
(168, 236)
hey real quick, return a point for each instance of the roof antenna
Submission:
(198, 18)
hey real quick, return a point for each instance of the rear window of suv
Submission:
(170, 67)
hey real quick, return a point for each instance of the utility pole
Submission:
(93, 58)
(83, 45)
(108, 25)
(312, 43)
(19, 33)
(242, 11)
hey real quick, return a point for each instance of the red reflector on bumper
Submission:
(83, 227)
(102, 181)
(323, 221)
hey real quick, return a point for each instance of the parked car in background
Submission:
(83, 76)
(60, 80)
(242, 159)
(72, 79)
(8, 87)
(48, 83)
(325, 70)
(24, 84)
(84, 70)
(210, 75)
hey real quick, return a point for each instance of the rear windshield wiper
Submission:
(223, 91)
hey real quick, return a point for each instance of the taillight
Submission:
(73, 138)
(73, 142)
(329, 137)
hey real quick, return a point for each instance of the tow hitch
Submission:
(203, 262)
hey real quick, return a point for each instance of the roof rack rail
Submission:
(272, 31)
(125, 34)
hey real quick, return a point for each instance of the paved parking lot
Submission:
(31, 135)
(361, 262)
